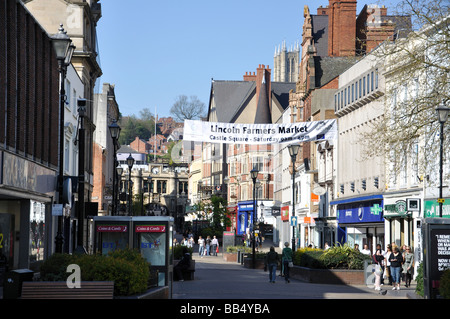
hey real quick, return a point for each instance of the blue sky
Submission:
(154, 51)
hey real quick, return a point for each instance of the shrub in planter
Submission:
(419, 280)
(127, 268)
(311, 259)
(299, 254)
(234, 249)
(343, 257)
(444, 284)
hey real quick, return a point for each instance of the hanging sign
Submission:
(234, 133)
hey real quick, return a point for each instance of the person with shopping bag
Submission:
(286, 257)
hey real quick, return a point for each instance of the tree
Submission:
(132, 126)
(216, 212)
(187, 109)
(416, 71)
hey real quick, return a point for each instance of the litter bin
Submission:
(12, 287)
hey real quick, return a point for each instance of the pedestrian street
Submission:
(217, 279)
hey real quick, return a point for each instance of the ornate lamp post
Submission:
(254, 175)
(293, 151)
(130, 163)
(119, 171)
(114, 130)
(442, 113)
(63, 50)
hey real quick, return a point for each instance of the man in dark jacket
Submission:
(271, 262)
(183, 264)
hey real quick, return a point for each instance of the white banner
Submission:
(234, 133)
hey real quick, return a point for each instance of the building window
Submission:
(359, 88)
(342, 188)
(371, 81)
(356, 90)
(345, 96)
(376, 78)
(353, 92)
(364, 86)
(348, 96)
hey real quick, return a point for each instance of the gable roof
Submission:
(231, 97)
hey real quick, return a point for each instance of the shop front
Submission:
(27, 229)
(360, 221)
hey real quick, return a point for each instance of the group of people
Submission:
(273, 259)
(393, 264)
(208, 246)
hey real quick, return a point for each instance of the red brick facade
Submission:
(29, 86)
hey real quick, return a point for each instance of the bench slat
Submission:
(59, 290)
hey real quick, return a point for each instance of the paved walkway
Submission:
(217, 279)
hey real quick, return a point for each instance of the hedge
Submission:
(127, 268)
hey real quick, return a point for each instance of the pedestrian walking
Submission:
(366, 250)
(287, 260)
(208, 245)
(408, 266)
(396, 261)
(214, 245)
(388, 274)
(379, 260)
(201, 246)
(190, 242)
(271, 263)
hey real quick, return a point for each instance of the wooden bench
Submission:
(188, 274)
(59, 290)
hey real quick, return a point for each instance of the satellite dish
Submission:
(318, 190)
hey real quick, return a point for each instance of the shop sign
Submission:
(363, 213)
(112, 228)
(150, 229)
(431, 209)
(285, 213)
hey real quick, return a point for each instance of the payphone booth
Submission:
(152, 235)
(111, 233)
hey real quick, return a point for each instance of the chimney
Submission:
(342, 28)
(249, 76)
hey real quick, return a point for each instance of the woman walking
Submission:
(396, 261)
(287, 260)
(408, 265)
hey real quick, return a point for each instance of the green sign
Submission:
(376, 209)
(431, 209)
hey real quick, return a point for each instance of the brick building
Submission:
(333, 40)
(29, 121)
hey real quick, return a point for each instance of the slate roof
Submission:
(320, 33)
(231, 97)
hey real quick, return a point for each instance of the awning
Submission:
(356, 199)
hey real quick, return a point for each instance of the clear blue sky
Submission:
(154, 51)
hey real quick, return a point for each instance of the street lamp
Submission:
(293, 151)
(130, 163)
(114, 130)
(119, 171)
(150, 186)
(63, 50)
(254, 175)
(442, 113)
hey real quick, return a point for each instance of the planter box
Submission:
(328, 276)
(230, 257)
(248, 263)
